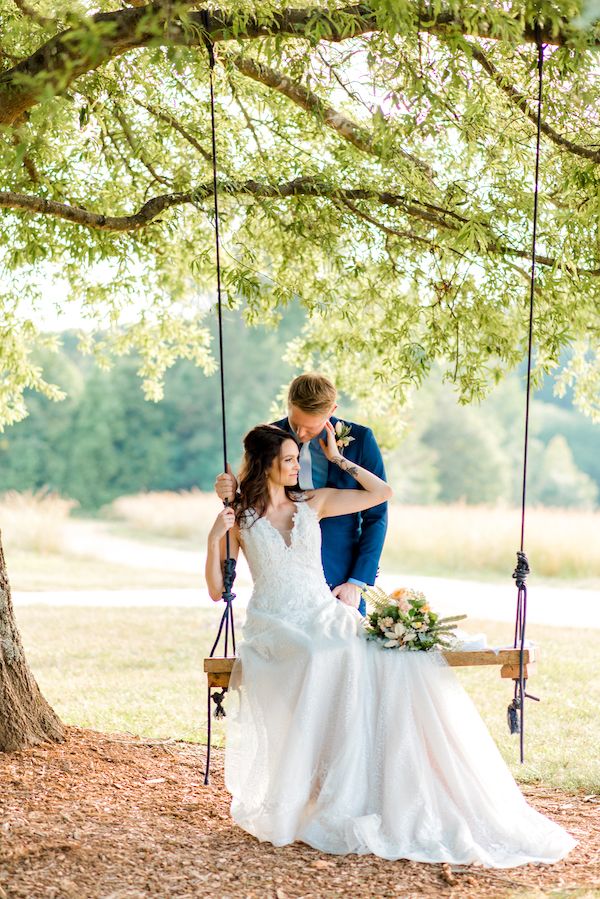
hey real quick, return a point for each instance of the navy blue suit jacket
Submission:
(351, 544)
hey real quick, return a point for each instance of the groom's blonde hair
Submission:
(312, 392)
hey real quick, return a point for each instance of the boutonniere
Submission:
(342, 434)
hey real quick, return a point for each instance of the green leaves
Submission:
(380, 173)
(18, 372)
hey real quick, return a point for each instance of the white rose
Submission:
(385, 623)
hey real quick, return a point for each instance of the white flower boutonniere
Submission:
(342, 434)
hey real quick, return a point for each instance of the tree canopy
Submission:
(375, 162)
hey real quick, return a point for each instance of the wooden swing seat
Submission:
(218, 670)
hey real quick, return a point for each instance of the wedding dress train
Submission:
(350, 748)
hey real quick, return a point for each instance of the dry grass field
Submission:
(34, 522)
(465, 541)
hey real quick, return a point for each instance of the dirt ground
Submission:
(108, 816)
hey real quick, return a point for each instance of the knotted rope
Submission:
(227, 623)
(516, 709)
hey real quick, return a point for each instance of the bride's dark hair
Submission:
(262, 445)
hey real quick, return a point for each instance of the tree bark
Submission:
(25, 716)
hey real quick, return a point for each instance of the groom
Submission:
(351, 544)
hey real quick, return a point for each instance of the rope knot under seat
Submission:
(218, 699)
(513, 717)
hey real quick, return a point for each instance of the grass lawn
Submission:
(140, 670)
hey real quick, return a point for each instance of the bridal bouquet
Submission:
(404, 620)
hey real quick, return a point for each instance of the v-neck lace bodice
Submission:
(288, 578)
(290, 533)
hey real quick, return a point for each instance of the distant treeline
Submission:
(475, 453)
(105, 440)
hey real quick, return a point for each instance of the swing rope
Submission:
(227, 624)
(516, 709)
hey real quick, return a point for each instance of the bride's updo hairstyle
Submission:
(262, 446)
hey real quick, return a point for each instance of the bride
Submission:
(331, 739)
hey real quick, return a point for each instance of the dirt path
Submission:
(93, 538)
(105, 816)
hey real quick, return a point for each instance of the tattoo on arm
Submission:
(352, 470)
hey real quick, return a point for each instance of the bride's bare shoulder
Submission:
(315, 499)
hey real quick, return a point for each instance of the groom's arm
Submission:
(374, 521)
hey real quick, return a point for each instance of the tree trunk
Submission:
(25, 716)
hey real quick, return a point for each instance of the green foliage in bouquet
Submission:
(404, 620)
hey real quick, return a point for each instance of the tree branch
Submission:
(299, 187)
(302, 96)
(28, 163)
(250, 125)
(413, 237)
(72, 53)
(34, 15)
(137, 147)
(381, 226)
(520, 100)
(176, 125)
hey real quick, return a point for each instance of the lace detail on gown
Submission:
(353, 749)
(288, 579)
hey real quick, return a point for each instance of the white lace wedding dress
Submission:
(354, 749)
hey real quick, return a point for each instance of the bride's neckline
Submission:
(289, 533)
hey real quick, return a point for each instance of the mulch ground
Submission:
(114, 817)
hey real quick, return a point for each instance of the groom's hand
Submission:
(348, 594)
(226, 485)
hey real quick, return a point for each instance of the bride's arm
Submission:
(216, 552)
(328, 502)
